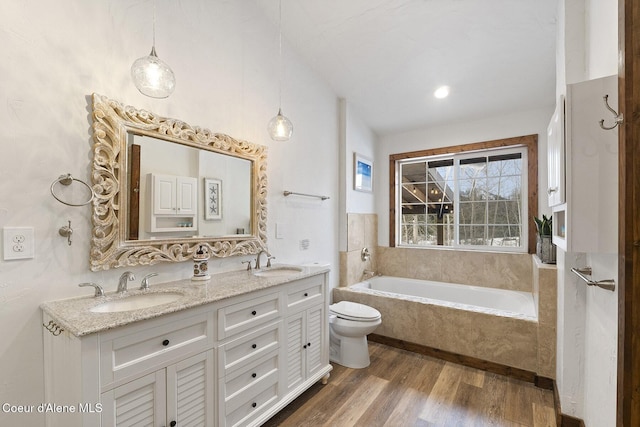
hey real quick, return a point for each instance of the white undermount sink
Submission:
(136, 302)
(278, 272)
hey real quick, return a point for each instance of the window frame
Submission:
(530, 142)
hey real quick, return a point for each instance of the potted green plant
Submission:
(545, 249)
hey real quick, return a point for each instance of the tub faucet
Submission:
(367, 274)
(269, 257)
(122, 283)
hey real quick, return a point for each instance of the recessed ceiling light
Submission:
(441, 92)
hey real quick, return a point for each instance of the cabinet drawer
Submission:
(246, 349)
(246, 407)
(305, 292)
(144, 347)
(237, 382)
(239, 317)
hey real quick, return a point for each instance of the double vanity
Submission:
(230, 351)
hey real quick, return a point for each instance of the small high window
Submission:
(475, 196)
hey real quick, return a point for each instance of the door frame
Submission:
(628, 411)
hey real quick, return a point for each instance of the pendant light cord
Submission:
(280, 54)
(154, 25)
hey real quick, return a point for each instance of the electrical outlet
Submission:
(18, 243)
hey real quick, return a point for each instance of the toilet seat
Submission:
(354, 311)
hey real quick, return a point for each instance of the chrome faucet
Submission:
(145, 281)
(122, 283)
(99, 292)
(269, 258)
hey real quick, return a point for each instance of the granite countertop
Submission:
(74, 315)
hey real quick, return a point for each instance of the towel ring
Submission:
(67, 179)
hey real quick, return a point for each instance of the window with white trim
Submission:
(470, 200)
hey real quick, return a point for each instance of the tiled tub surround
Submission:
(362, 232)
(511, 339)
(502, 270)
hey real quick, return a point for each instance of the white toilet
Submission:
(349, 325)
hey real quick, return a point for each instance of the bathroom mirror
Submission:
(164, 188)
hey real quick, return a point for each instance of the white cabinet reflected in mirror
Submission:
(182, 191)
(164, 188)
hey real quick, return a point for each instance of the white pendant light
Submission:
(150, 74)
(280, 128)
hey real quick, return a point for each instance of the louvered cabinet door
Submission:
(190, 388)
(316, 322)
(295, 353)
(305, 352)
(138, 403)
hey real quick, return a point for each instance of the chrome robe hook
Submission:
(618, 117)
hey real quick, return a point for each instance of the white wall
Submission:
(355, 137)
(491, 128)
(224, 55)
(587, 318)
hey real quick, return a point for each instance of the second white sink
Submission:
(136, 302)
(278, 272)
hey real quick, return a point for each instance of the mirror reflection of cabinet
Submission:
(174, 203)
(556, 156)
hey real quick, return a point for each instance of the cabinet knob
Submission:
(173, 424)
(254, 375)
(304, 346)
(306, 294)
(254, 312)
(165, 343)
(308, 344)
(254, 345)
(254, 404)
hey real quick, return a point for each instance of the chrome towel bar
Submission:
(291, 193)
(608, 284)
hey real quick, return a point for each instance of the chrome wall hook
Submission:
(618, 120)
(66, 231)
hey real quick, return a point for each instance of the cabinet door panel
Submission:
(315, 330)
(295, 353)
(556, 156)
(190, 390)
(138, 403)
(164, 195)
(187, 195)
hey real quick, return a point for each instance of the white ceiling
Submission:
(386, 57)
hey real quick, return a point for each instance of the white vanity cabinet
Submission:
(231, 362)
(137, 372)
(305, 326)
(183, 391)
(588, 221)
(174, 205)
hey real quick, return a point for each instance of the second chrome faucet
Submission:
(124, 279)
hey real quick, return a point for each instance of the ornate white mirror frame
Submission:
(112, 123)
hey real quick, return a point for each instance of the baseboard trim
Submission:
(569, 421)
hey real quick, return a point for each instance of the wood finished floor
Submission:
(401, 389)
